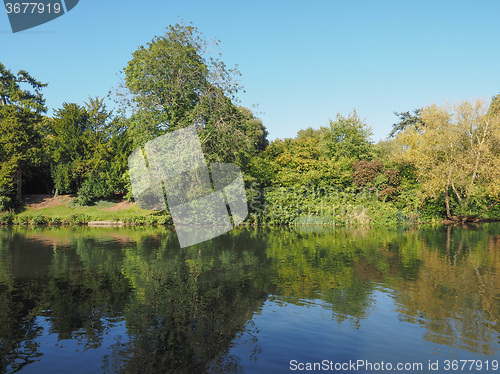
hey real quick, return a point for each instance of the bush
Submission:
(79, 219)
(39, 220)
(54, 220)
(151, 220)
(92, 189)
(164, 220)
(5, 202)
(6, 218)
(104, 204)
(22, 220)
(5, 198)
(73, 203)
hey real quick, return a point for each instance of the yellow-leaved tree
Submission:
(456, 152)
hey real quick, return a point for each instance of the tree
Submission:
(20, 112)
(109, 146)
(406, 120)
(173, 82)
(349, 138)
(88, 148)
(494, 108)
(457, 155)
(67, 146)
(254, 129)
(301, 161)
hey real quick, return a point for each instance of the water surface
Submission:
(92, 300)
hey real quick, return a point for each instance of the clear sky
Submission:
(302, 61)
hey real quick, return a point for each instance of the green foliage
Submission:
(438, 161)
(79, 219)
(173, 82)
(88, 148)
(168, 78)
(349, 138)
(93, 188)
(20, 112)
(21, 220)
(407, 120)
(67, 145)
(456, 157)
(6, 194)
(299, 162)
(494, 108)
(6, 217)
(39, 219)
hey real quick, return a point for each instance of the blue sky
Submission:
(302, 61)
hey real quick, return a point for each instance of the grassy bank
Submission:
(62, 210)
(277, 209)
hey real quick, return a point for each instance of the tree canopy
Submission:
(175, 81)
(349, 137)
(88, 149)
(457, 154)
(21, 108)
(437, 162)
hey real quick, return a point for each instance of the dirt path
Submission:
(37, 202)
(45, 201)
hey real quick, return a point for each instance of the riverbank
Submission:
(63, 210)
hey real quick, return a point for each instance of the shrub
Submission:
(54, 220)
(365, 172)
(164, 220)
(39, 220)
(104, 204)
(72, 203)
(151, 220)
(6, 218)
(5, 202)
(92, 189)
(79, 219)
(21, 220)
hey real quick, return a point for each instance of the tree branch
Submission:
(457, 194)
(489, 207)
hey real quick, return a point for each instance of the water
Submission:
(93, 300)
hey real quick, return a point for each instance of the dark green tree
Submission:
(88, 148)
(494, 108)
(21, 108)
(406, 119)
(68, 147)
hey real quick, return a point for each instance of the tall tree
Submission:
(174, 82)
(349, 138)
(68, 146)
(457, 155)
(406, 120)
(494, 108)
(88, 147)
(21, 110)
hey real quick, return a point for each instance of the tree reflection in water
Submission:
(183, 308)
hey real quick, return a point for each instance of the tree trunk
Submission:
(457, 195)
(447, 202)
(19, 183)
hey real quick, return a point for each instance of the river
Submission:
(308, 299)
